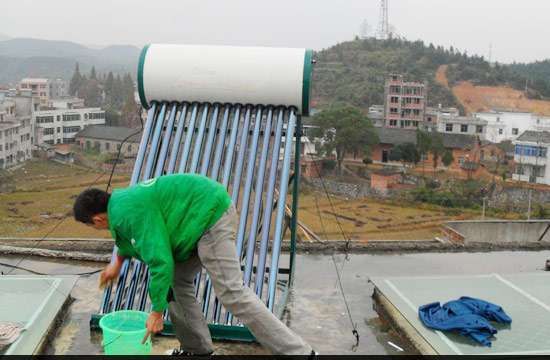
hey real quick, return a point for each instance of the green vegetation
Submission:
(355, 71)
(119, 103)
(343, 129)
(406, 153)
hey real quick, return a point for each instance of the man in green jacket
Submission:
(175, 224)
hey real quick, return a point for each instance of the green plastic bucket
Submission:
(123, 332)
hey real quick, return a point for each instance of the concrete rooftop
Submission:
(316, 310)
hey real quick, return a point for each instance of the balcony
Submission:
(530, 160)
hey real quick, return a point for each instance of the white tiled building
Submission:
(531, 157)
(15, 142)
(462, 125)
(509, 125)
(59, 126)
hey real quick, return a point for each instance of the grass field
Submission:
(45, 191)
(368, 219)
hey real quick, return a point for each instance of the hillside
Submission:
(355, 72)
(476, 98)
(33, 57)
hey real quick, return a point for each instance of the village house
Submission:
(466, 149)
(108, 139)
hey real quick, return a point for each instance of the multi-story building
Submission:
(405, 103)
(40, 89)
(531, 157)
(58, 88)
(462, 125)
(509, 125)
(15, 142)
(59, 126)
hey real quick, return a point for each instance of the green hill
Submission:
(355, 71)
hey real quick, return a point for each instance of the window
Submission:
(107, 146)
(44, 119)
(515, 131)
(0, 147)
(393, 122)
(416, 112)
(500, 131)
(395, 89)
(519, 170)
(58, 118)
(48, 131)
(394, 100)
(464, 128)
(415, 124)
(96, 116)
(393, 110)
(59, 141)
(461, 160)
(417, 101)
(526, 150)
(50, 142)
(58, 130)
(71, 117)
(449, 127)
(88, 144)
(479, 129)
(70, 129)
(97, 146)
(498, 119)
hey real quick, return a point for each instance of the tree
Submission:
(343, 129)
(90, 91)
(93, 75)
(406, 153)
(423, 144)
(447, 158)
(437, 149)
(76, 81)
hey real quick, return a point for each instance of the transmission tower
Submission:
(383, 25)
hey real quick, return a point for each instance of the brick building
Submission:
(108, 139)
(405, 103)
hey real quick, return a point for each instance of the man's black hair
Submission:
(90, 203)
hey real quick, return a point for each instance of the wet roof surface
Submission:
(316, 310)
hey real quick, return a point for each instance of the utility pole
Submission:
(383, 25)
(483, 211)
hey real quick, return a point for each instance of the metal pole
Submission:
(198, 140)
(166, 140)
(260, 177)
(278, 237)
(209, 141)
(177, 140)
(268, 208)
(483, 211)
(188, 139)
(247, 188)
(295, 197)
(529, 206)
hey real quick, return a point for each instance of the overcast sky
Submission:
(517, 29)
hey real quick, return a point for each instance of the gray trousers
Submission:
(216, 252)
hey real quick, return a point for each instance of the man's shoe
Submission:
(181, 352)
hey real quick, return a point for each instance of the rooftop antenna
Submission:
(383, 25)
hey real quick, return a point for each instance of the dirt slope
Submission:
(483, 98)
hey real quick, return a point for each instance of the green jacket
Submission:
(160, 222)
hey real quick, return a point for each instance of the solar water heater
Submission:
(232, 114)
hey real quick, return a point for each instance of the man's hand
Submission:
(154, 324)
(110, 273)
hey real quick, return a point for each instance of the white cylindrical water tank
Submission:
(225, 74)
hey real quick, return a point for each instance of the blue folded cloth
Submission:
(467, 316)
